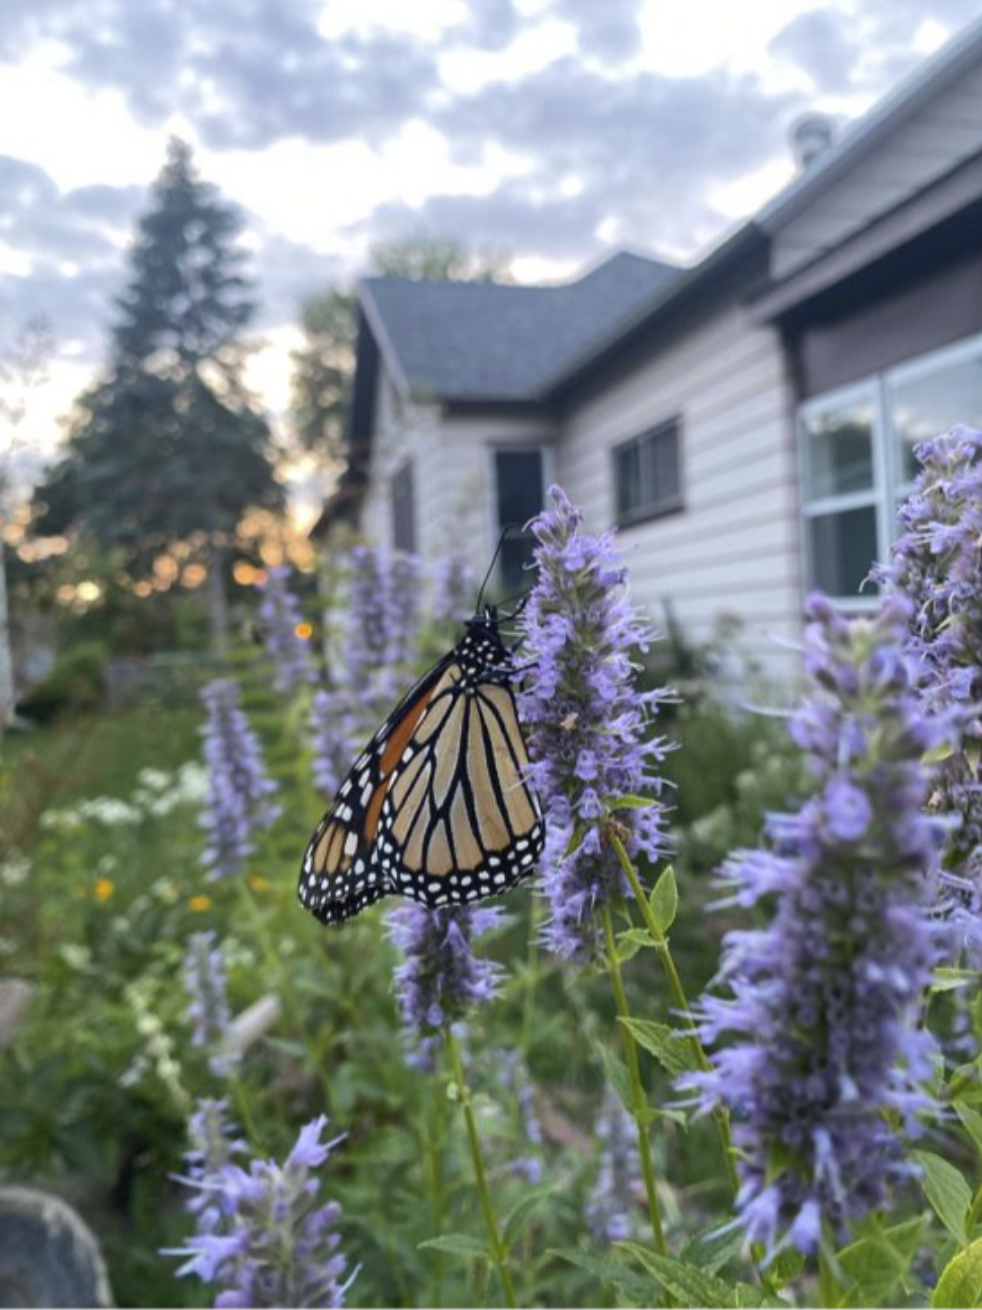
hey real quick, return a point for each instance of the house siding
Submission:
(734, 549)
(453, 473)
(943, 135)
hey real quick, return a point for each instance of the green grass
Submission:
(96, 755)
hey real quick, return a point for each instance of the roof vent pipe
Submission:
(810, 136)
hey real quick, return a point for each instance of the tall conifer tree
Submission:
(169, 446)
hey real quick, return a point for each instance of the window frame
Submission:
(653, 510)
(888, 491)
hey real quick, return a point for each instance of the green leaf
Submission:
(631, 803)
(876, 1263)
(515, 1221)
(668, 1045)
(946, 980)
(576, 840)
(971, 1122)
(636, 936)
(630, 942)
(947, 1191)
(615, 1071)
(689, 1284)
(713, 1249)
(664, 900)
(461, 1244)
(786, 1267)
(943, 751)
(615, 1272)
(288, 1046)
(960, 1284)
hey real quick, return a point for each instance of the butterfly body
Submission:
(437, 806)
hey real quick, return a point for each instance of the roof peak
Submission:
(606, 263)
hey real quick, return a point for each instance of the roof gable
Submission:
(485, 341)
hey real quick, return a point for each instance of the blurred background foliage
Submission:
(102, 884)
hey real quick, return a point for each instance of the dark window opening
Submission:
(520, 491)
(648, 474)
(404, 509)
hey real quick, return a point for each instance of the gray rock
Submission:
(48, 1257)
(15, 996)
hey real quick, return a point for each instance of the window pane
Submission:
(840, 450)
(520, 491)
(842, 547)
(665, 465)
(926, 406)
(628, 475)
(647, 474)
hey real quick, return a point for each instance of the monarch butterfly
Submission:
(437, 806)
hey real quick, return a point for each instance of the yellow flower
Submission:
(199, 903)
(103, 889)
(258, 883)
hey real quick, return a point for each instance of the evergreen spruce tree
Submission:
(169, 447)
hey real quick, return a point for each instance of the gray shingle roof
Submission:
(471, 341)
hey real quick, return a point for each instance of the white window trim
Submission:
(888, 492)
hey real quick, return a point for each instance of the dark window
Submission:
(842, 548)
(404, 509)
(519, 482)
(648, 474)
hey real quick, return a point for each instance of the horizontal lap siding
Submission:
(734, 549)
(464, 507)
(452, 474)
(940, 137)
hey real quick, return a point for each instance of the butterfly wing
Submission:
(337, 875)
(459, 821)
(437, 806)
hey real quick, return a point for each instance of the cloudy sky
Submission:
(554, 130)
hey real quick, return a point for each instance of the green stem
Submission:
(244, 1109)
(499, 1253)
(828, 1286)
(720, 1114)
(637, 1089)
(432, 1130)
(975, 1213)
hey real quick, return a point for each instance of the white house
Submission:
(747, 422)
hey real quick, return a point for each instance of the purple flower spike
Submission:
(402, 610)
(279, 617)
(261, 1237)
(367, 635)
(937, 565)
(454, 588)
(204, 978)
(376, 648)
(239, 788)
(588, 724)
(825, 1000)
(613, 1206)
(440, 977)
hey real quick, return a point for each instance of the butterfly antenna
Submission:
(494, 559)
